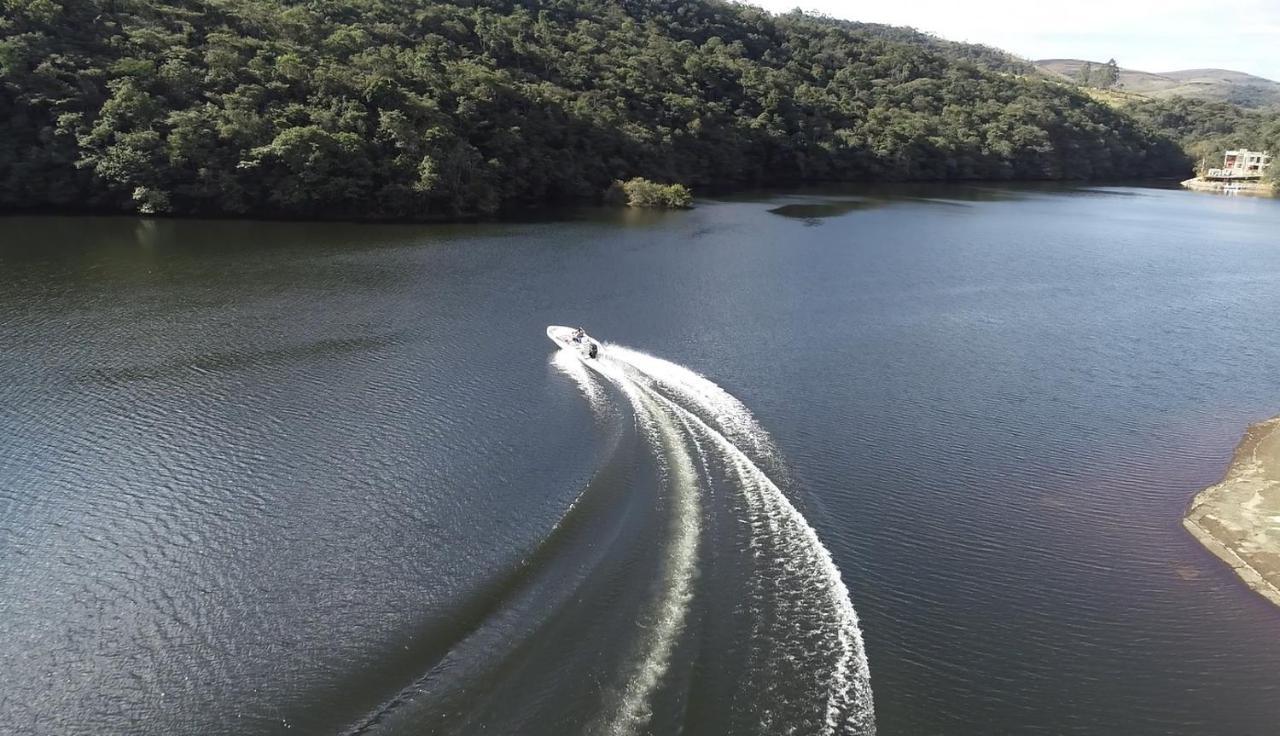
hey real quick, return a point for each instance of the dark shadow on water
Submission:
(834, 208)
(816, 203)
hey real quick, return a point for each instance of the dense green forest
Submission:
(1205, 129)
(423, 108)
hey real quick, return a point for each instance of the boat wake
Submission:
(806, 648)
(683, 592)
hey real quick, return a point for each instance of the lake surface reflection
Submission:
(329, 478)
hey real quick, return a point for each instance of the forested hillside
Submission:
(1206, 129)
(422, 108)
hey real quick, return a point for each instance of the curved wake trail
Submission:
(682, 592)
(667, 618)
(806, 656)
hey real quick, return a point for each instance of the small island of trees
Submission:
(640, 192)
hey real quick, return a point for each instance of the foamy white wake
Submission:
(573, 367)
(677, 409)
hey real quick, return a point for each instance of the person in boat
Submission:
(580, 337)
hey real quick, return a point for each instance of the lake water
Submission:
(333, 478)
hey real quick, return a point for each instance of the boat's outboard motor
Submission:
(593, 350)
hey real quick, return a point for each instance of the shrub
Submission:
(151, 201)
(640, 192)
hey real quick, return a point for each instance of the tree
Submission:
(1086, 74)
(1108, 75)
(640, 192)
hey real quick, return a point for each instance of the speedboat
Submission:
(570, 338)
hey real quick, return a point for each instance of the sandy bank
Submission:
(1256, 189)
(1238, 519)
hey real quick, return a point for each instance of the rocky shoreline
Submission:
(1238, 519)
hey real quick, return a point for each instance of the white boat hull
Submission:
(563, 336)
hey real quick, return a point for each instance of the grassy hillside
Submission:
(423, 108)
(1217, 85)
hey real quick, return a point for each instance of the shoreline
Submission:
(1238, 518)
(1249, 188)
(555, 211)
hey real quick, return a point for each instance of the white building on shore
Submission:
(1241, 165)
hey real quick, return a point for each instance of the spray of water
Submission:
(677, 409)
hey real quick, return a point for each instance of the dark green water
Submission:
(296, 478)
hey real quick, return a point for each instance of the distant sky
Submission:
(1150, 35)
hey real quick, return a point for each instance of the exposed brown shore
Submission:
(1238, 519)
